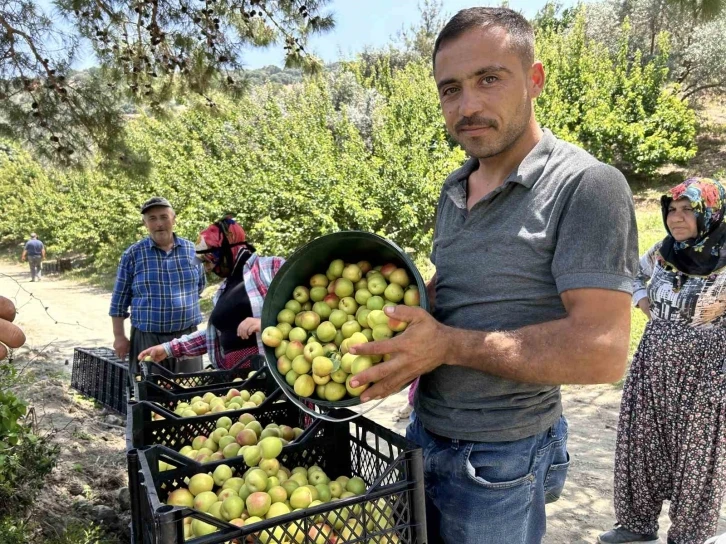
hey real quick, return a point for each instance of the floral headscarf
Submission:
(220, 244)
(703, 254)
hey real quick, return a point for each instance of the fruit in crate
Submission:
(246, 498)
(312, 345)
(233, 399)
(229, 439)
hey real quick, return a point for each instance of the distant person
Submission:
(671, 441)
(232, 334)
(34, 251)
(161, 280)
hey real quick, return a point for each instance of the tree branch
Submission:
(31, 44)
(695, 90)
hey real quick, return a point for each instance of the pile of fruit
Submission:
(231, 440)
(271, 490)
(342, 308)
(208, 403)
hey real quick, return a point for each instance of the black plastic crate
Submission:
(204, 377)
(203, 381)
(99, 374)
(49, 267)
(391, 466)
(176, 432)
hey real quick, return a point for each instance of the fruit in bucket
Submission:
(348, 301)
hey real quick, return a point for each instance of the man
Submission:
(34, 250)
(535, 249)
(161, 280)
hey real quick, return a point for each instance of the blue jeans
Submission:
(491, 492)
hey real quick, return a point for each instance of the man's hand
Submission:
(10, 335)
(248, 327)
(420, 349)
(157, 353)
(121, 346)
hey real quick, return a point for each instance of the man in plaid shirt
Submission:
(161, 279)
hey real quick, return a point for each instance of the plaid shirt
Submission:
(161, 288)
(258, 273)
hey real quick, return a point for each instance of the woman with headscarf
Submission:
(671, 441)
(232, 333)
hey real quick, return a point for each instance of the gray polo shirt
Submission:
(562, 220)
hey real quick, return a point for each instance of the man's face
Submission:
(485, 91)
(159, 221)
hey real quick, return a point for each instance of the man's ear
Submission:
(536, 79)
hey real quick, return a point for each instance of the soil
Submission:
(92, 467)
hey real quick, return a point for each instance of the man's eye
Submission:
(449, 91)
(490, 79)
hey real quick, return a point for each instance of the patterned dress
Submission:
(671, 441)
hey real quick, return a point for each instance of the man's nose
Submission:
(470, 103)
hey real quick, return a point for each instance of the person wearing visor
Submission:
(160, 280)
(232, 334)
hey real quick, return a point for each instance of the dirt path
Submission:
(584, 510)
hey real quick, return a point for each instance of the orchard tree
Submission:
(695, 31)
(150, 54)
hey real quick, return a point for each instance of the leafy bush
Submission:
(77, 533)
(25, 458)
(620, 108)
(13, 531)
(363, 147)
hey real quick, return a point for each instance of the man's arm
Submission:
(589, 345)
(120, 302)
(25, 253)
(42, 251)
(118, 326)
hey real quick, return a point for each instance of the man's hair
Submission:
(521, 33)
(33, 235)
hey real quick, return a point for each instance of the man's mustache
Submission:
(475, 121)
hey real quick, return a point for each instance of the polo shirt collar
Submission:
(526, 173)
(533, 165)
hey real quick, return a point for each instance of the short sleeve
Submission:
(597, 237)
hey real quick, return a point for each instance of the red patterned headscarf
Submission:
(707, 251)
(220, 244)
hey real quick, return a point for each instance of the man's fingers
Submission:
(7, 309)
(372, 374)
(384, 388)
(408, 314)
(381, 347)
(11, 335)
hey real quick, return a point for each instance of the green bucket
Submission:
(313, 258)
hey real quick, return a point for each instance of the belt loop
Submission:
(553, 431)
(455, 443)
